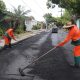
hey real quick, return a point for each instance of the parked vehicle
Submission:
(55, 30)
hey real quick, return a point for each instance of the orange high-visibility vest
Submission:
(74, 34)
(10, 33)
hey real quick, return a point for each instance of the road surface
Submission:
(53, 66)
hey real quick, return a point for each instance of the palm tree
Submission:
(20, 12)
(20, 15)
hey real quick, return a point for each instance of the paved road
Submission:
(54, 66)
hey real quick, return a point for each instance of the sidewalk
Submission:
(21, 37)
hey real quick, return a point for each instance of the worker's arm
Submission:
(12, 35)
(69, 36)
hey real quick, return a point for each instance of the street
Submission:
(53, 66)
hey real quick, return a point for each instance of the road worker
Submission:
(74, 35)
(9, 34)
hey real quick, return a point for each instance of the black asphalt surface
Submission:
(53, 66)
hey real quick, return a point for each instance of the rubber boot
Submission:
(10, 45)
(5, 47)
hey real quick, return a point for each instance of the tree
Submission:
(60, 21)
(2, 9)
(20, 12)
(2, 6)
(49, 19)
(71, 5)
(19, 16)
(2, 15)
(66, 17)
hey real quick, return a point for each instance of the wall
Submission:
(78, 23)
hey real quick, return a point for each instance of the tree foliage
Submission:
(20, 12)
(2, 6)
(49, 19)
(66, 17)
(2, 9)
(2, 15)
(59, 21)
(20, 15)
(71, 5)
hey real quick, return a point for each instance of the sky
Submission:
(38, 8)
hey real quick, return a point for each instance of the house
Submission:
(78, 22)
(29, 22)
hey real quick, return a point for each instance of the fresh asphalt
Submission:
(53, 66)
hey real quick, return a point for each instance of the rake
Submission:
(21, 71)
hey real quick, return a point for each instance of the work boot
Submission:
(10, 45)
(5, 47)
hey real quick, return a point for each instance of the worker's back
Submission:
(76, 33)
(9, 31)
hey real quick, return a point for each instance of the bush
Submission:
(1, 32)
(19, 30)
(35, 27)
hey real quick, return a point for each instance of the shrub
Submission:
(35, 27)
(1, 31)
(19, 30)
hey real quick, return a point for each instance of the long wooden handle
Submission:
(39, 57)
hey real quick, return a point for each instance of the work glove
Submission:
(57, 46)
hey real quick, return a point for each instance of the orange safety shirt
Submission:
(74, 34)
(10, 33)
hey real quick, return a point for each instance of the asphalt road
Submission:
(53, 66)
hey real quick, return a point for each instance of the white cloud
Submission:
(38, 7)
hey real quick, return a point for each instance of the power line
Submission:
(39, 5)
(26, 4)
(29, 7)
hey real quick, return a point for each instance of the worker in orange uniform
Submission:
(74, 35)
(9, 34)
